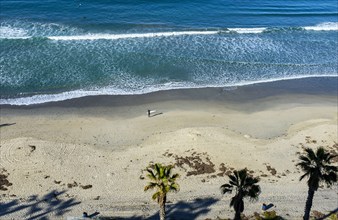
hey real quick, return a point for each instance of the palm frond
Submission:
(229, 186)
(174, 187)
(234, 180)
(168, 170)
(158, 170)
(175, 176)
(226, 188)
(151, 174)
(242, 174)
(310, 154)
(304, 166)
(303, 176)
(320, 153)
(156, 196)
(329, 168)
(250, 181)
(151, 177)
(150, 186)
(254, 192)
(304, 159)
(330, 178)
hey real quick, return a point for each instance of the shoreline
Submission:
(309, 85)
(107, 141)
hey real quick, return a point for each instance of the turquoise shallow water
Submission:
(56, 50)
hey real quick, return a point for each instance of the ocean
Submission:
(56, 50)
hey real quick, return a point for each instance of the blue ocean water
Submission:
(54, 50)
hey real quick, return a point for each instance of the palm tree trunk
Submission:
(237, 215)
(162, 210)
(308, 204)
(239, 206)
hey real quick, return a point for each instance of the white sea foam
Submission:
(122, 36)
(24, 29)
(45, 98)
(247, 30)
(12, 32)
(327, 26)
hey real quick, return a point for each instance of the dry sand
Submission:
(62, 160)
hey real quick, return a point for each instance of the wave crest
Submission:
(122, 36)
(65, 33)
(326, 26)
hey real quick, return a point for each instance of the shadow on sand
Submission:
(6, 124)
(46, 207)
(180, 210)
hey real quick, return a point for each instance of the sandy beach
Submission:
(89, 154)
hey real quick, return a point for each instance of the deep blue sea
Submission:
(53, 50)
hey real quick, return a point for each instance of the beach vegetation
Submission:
(267, 215)
(318, 169)
(245, 186)
(163, 181)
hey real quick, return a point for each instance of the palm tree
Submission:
(245, 186)
(163, 181)
(316, 166)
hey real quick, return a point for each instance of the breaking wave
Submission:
(57, 32)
